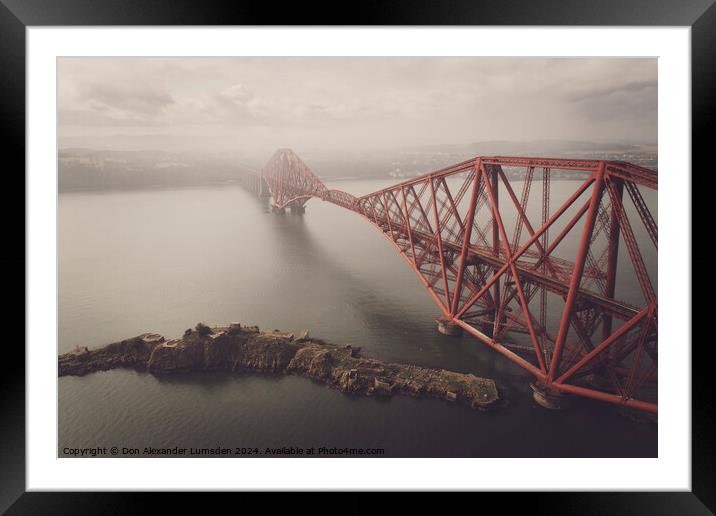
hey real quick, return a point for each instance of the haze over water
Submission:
(163, 260)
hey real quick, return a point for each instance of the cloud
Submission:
(359, 101)
(238, 93)
(134, 99)
(620, 102)
(632, 88)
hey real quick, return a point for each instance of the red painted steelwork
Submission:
(488, 259)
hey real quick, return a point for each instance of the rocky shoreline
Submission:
(245, 348)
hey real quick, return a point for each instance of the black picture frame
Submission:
(16, 15)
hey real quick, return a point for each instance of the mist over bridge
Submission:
(500, 268)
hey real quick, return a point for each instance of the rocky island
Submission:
(246, 349)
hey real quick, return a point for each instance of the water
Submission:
(163, 260)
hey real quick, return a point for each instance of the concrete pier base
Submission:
(298, 210)
(549, 398)
(278, 210)
(449, 328)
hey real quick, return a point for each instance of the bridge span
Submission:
(538, 282)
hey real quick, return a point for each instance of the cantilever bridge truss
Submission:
(560, 285)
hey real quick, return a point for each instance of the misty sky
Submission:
(345, 104)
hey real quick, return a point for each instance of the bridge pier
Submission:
(298, 209)
(278, 210)
(549, 398)
(449, 328)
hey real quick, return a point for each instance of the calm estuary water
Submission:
(162, 260)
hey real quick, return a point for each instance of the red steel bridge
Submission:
(539, 279)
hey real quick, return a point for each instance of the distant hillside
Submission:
(535, 147)
(88, 169)
(411, 162)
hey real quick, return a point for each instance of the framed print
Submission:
(415, 253)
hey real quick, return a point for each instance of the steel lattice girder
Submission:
(484, 259)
